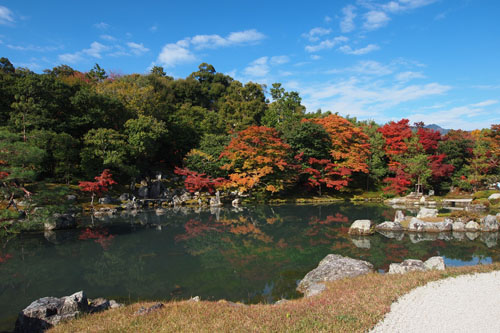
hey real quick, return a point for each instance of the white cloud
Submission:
(173, 54)
(176, 53)
(375, 19)
(70, 57)
(364, 97)
(101, 26)
(95, 50)
(234, 38)
(6, 15)
(137, 49)
(404, 5)
(328, 19)
(467, 117)
(153, 28)
(246, 36)
(364, 50)
(313, 34)
(107, 37)
(279, 60)
(409, 75)
(315, 57)
(347, 23)
(370, 67)
(258, 67)
(326, 44)
(33, 48)
(485, 103)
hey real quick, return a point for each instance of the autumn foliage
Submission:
(258, 160)
(195, 181)
(102, 184)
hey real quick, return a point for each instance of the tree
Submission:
(97, 74)
(258, 160)
(6, 66)
(350, 146)
(285, 110)
(324, 172)
(144, 134)
(19, 162)
(102, 184)
(195, 181)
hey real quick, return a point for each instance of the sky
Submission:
(435, 61)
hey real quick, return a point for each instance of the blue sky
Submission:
(435, 61)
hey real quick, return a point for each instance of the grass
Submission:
(348, 305)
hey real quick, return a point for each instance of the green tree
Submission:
(285, 111)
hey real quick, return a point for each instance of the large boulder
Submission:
(46, 312)
(361, 227)
(334, 267)
(390, 226)
(409, 265)
(399, 216)
(472, 226)
(489, 223)
(361, 242)
(435, 263)
(458, 226)
(494, 196)
(60, 221)
(438, 226)
(416, 225)
(427, 212)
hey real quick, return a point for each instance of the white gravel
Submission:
(467, 303)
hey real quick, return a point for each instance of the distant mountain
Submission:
(437, 128)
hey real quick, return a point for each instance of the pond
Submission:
(249, 255)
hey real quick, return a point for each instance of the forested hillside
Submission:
(64, 126)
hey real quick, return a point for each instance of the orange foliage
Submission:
(258, 158)
(350, 144)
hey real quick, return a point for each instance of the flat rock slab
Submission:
(467, 303)
(334, 267)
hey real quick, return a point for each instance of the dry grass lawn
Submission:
(349, 305)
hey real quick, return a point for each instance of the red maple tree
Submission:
(199, 181)
(102, 184)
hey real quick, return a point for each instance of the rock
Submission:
(60, 221)
(435, 263)
(409, 265)
(489, 223)
(472, 226)
(458, 226)
(177, 200)
(114, 305)
(155, 190)
(46, 312)
(314, 289)
(236, 202)
(427, 212)
(399, 216)
(185, 197)
(215, 202)
(361, 227)
(458, 235)
(388, 225)
(71, 197)
(438, 226)
(281, 301)
(416, 225)
(105, 200)
(124, 197)
(422, 200)
(194, 299)
(143, 192)
(98, 305)
(144, 311)
(361, 242)
(494, 196)
(334, 267)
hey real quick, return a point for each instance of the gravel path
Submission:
(467, 303)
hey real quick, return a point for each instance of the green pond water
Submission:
(257, 254)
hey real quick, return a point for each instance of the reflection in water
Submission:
(249, 255)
